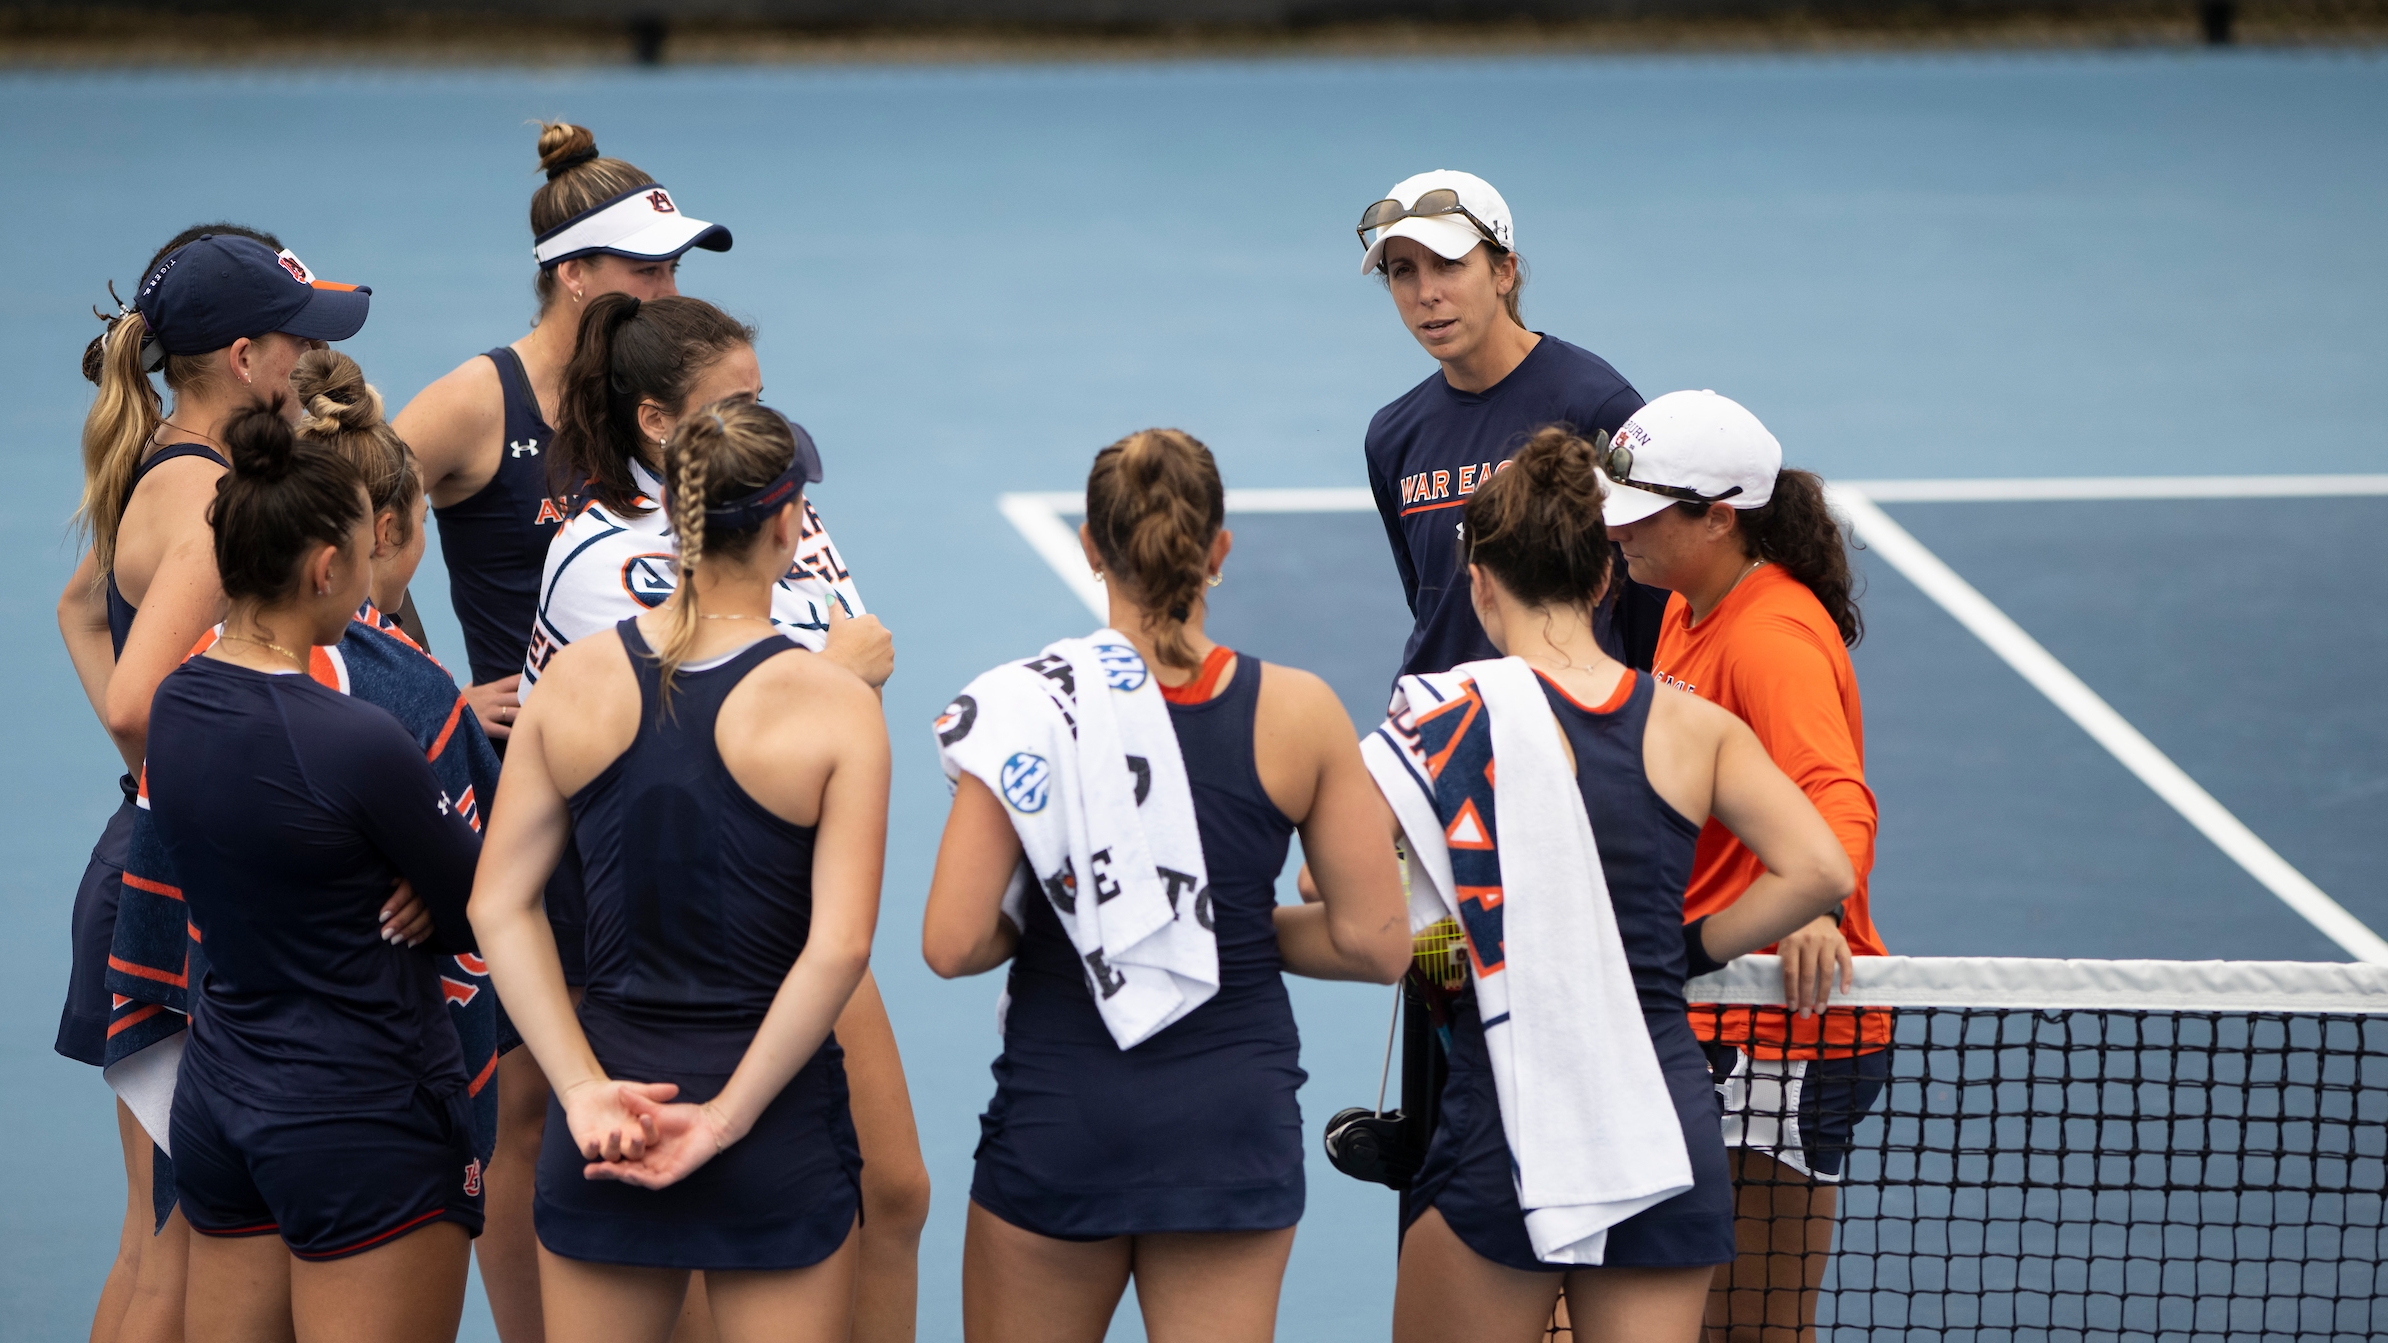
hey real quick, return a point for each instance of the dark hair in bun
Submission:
(1536, 525)
(283, 497)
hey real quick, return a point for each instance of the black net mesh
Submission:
(2067, 1175)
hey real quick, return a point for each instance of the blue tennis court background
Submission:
(970, 278)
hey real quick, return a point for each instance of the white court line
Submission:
(1038, 518)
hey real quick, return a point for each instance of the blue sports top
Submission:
(120, 611)
(1645, 844)
(700, 899)
(1244, 842)
(495, 542)
(285, 860)
(1428, 451)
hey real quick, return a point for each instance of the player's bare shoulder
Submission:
(455, 423)
(1297, 705)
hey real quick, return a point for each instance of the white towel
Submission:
(1078, 744)
(1590, 1122)
(145, 1083)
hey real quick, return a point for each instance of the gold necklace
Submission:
(727, 615)
(169, 424)
(265, 643)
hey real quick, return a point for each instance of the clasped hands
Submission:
(635, 1133)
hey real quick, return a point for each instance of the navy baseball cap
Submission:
(212, 291)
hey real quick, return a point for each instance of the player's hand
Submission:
(497, 704)
(1813, 958)
(861, 645)
(405, 919)
(1306, 886)
(685, 1138)
(614, 1121)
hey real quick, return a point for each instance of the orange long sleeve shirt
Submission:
(1771, 656)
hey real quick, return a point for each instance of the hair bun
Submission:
(563, 147)
(333, 395)
(261, 442)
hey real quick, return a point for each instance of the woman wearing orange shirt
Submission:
(1760, 623)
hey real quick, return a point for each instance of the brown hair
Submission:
(628, 352)
(1153, 505)
(578, 179)
(1536, 525)
(721, 452)
(125, 415)
(283, 496)
(342, 411)
(1795, 530)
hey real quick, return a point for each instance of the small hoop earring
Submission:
(1098, 575)
(1217, 579)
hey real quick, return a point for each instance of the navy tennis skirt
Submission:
(1467, 1176)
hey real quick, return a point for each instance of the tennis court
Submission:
(1914, 268)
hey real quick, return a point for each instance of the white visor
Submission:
(641, 223)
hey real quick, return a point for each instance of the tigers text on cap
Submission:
(212, 291)
(641, 224)
(1693, 441)
(1451, 236)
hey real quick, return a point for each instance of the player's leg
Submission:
(1782, 1236)
(133, 1237)
(1218, 1285)
(406, 1290)
(508, 1248)
(154, 1315)
(1637, 1305)
(609, 1303)
(801, 1305)
(695, 1324)
(895, 1181)
(239, 1290)
(1448, 1293)
(1020, 1287)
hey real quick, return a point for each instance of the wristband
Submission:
(1837, 911)
(1697, 961)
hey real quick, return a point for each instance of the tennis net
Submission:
(2068, 1150)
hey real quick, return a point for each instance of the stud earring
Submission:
(1098, 575)
(1217, 579)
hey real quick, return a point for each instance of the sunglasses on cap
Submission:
(1616, 460)
(1430, 205)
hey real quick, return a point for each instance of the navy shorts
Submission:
(83, 1022)
(1468, 1178)
(330, 1185)
(1802, 1112)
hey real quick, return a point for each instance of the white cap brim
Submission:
(1448, 236)
(643, 224)
(1627, 505)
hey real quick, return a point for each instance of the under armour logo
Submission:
(520, 446)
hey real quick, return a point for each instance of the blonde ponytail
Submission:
(123, 419)
(718, 455)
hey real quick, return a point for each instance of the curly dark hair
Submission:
(1796, 531)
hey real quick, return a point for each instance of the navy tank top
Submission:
(495, 542)
(1244, 844)
(1645, 844)
(699, 898)
(120, 611)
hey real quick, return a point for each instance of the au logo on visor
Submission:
(662, 201)
(297, 268)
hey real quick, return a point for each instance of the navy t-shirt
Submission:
(1428, 451)
(291, 811)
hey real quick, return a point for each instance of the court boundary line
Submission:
(1037, 515)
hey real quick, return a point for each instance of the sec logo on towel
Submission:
(1026, 780)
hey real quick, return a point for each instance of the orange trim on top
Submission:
(440, 743)
(1612, 704)
(1429, 508)
(481, 1079)
(327, 284)
(1206, 681)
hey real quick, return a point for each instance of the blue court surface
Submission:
(969, 279)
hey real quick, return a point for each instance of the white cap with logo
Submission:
(1689, 447)
(1451, 235)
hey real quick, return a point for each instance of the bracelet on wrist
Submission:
(1697, 961)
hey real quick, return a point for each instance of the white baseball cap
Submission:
(1450, 235)
(1688, 447)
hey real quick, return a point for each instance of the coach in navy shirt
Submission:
(1444, 242)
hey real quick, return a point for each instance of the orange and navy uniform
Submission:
(1770, 655)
